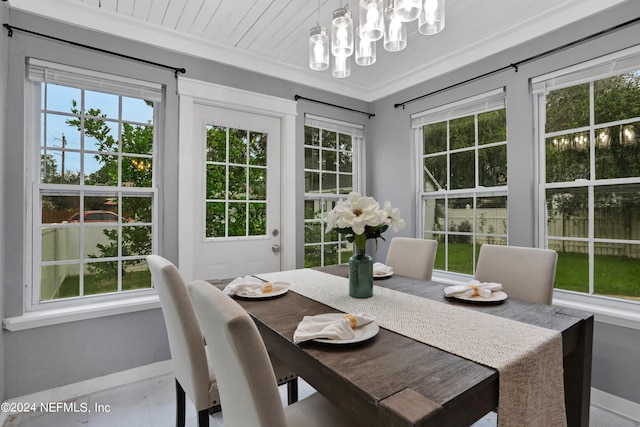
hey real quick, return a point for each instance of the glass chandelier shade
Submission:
(371, 19)
(407, 10)
(318, 49)
(341, 67)
(395, 34)
(365, 50)
(342, 32)
(431, 20)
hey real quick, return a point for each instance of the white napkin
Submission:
(250, 286)
(329, 326)
(484, 289)
(379, 269)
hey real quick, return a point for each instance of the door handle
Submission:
(275, 248)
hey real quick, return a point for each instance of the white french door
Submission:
(230, 190)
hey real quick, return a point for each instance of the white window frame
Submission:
(357, 147)
(481, 103)
(55, 311)
(611, 310)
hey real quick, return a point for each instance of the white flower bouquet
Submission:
(361, 218)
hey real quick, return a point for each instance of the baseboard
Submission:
(616, 405)
(93, 385)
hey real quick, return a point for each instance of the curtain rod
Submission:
(333, 105)
(515, 65)
(176, 70)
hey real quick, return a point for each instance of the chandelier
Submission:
(377, 20)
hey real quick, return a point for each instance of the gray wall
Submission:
(86, 349)
(391, 157)
(4, 66)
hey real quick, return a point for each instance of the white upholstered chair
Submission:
(412, 257)
(190, 356)
(525, 273)
(246, 383)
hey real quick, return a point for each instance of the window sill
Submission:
(605, 310)
(37, 319)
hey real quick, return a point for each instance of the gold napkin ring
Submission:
(352, 319)
(267, 288)
(475, 290)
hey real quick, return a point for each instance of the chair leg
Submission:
(203, 418)
(180, 405)
(292, 391)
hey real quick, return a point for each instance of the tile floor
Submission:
(151, 403)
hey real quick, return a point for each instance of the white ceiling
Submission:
(271, 36)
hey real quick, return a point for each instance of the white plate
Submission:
(382, 276)
(265, 296)
(363, 333)
(496, 296)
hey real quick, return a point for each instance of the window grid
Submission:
(330, 171)
(462, 215)
(592, 197)
(113, 230)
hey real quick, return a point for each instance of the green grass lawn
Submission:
(70, 287)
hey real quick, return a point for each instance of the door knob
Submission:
(275, 248)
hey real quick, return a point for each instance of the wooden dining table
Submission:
(392, 380)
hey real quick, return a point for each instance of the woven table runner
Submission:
(528, 358)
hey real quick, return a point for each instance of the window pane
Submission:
(312, 232)
(238, 146)
(617, 98)
(59, 208)
(313, 256)
(59, 281)
(346, 184)
(137, 139)
(463, 166)
(101, 104)
(101, 136)
(137, 110)
(312, 209)
(311, 182)
(137, 171)
(257, 219)
(62, 131)
(329, 184)
(572, 271)
(216, 222)
(331, 254)
(258, 149)
(617, 212)
(216, 144)
(311, 136)
(216, 181)
(460, 254)
(491, 215)
(345, 142)
(137, 208)
(435, 173)
(460, 214)
(492, 166)
(257, 184)
(345, 162)
(329, 160)
(615, 266)
(492, 126)
(567, 212)
(101, 277)
(567, 157)
(462, 133)
(237, 219)
(59, 97)
(329, 139)
(102, 169)
(434, 210)
(435, 138)
(136, 240)
(136, 275)
(618, 151)
(58, 244)
(312, 158)
(100, 242)
(568, 108)
(440, 261)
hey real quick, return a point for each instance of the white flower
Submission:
(357, 212)
(392, 217)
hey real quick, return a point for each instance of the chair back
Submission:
(246, 381)
(412, 257)
(188, 354)
(525, 273)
